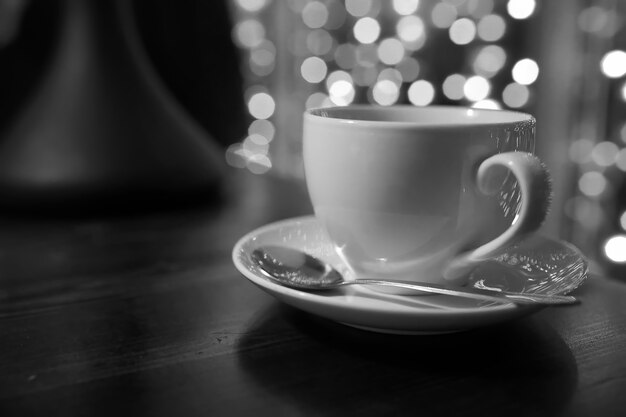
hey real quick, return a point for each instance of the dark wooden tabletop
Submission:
(146, 315)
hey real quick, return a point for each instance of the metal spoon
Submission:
(295, 269)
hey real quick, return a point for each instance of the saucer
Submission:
(537, 264)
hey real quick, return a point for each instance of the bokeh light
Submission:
(489, 104)
(340, 88)
(599, 21)
(491, 28)
(263, 58)
(525, 71)
(385, 92)
(462, 31)
(338, 75)
(364, 76)
(252, 6)
(249, 33)
(259, 164)
(317, 99)
(262, 127)
(236, 156)
(592, 183)
(476, 88)
(336, 14)
(390, 51)
(515, 95)
(479, 8)
(604, 153)
(319, 42)
(489, 60)
(411, 30)
(313, 69)
(254, 144)
(453, 86)
(421, 93)
(580, 151)
(409, 68)
(315, 14)
(593, 19)
(341, 92)
(405, 7)
(261, 105)
(391, 74)
(622, 220)
(366, 30)
(615, 248)
(345, 56)
(613, 64)
(443, 15)
(367, 55)
(521, 9)
(358, 8)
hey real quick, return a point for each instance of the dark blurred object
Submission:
(189, 42)
(100, 132)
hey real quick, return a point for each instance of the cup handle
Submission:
(536, 190)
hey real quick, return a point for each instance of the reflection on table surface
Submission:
(147, 313)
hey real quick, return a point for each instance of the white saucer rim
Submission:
(337, 302)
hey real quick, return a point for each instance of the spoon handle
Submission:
(475, 293)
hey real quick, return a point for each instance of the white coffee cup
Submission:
(423, 193)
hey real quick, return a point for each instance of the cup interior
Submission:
(436, 116)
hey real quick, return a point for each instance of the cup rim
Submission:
(321, 114)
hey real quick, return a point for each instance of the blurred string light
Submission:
(443, 15)
(599, 21)
(592, 183)
(409, 69)
(613, 64)
(515, 95)
(315, 14)
(367, 30)
(421, 93)
(405, 7)
(521, 9)
(319, 42)
(604, 153)
(525, 71)
(252, 5)
(615, 248)
(391, 51)
(358, 8)
(346, 51)
(453, 86)
(313, 70)
(412, 32)
(487, 104)
(489, 60)
(462, 31)
(491, 28)
(476, 88)
(261, 105)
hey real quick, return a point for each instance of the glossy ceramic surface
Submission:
(537, 264)
(401, 190)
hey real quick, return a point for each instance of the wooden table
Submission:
(146, 315)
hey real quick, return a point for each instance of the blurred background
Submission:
(247, 69)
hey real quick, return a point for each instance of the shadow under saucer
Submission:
(313, 365)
